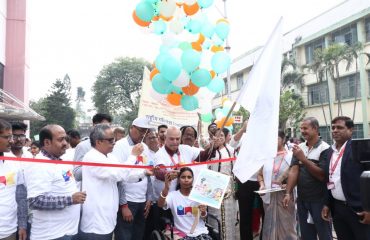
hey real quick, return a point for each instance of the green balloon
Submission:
(185, 46)
(189, 103)
(216, 85)
(161, 58)
(171, 69)
(201, 77)
(206, 117)
(144, 11)
(159, 27)
(205, 3)
(194, 26)
(220, 62)
(222, 30)
(190, 60)
(161, 85)
(208, 29)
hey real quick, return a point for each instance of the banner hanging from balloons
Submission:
(192, 55)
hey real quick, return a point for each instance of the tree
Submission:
(116, 90)
(291, 109)
(56, 107)
(80, 112)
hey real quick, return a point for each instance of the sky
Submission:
(79, 37)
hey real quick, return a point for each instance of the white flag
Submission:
(260, 96)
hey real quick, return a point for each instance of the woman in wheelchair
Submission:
(188, 215)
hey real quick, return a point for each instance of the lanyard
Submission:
(178, 157)
(276, 168)
(333, 167)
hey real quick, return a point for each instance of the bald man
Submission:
(52, 192)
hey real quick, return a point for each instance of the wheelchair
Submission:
(165, 221)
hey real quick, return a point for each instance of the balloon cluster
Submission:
(222, 112)
(191, 57)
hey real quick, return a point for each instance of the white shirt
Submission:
(99, 212)
(53, 180)
(135, 191)
(10, 177)
(186, 155)
(184, 211)
(337, 192)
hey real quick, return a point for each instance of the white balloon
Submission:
(176, 53)
(227, 104)
(205, 106)
(170, 40)
(176, 26)
(162, 98)
(167, 8)
(219, 115)
(182, 80)
(205, 94)
(189, 2)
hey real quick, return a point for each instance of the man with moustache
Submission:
(307, 171)
(10, 180)
(342, 174)
(52, 191)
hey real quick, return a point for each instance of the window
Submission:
(318, 93)
(1, 76)
(367, 29)
(346, 35)
(312, 47)
(358, 131)
(347, 87)
(325, 134)
(239, 81)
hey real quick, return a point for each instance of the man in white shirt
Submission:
(99, 212)
(84, 146)
(10, 178)
(52, 192)
(342, 174)
(135, 197)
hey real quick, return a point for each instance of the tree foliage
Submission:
(291, 109)
(116, 90)
(55, 107)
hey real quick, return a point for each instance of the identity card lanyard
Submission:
(333, 167)
(178, 157)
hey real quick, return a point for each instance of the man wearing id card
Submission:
(343, 184)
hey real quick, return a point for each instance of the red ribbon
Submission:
(34, 160)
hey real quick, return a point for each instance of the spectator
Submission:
(35, 148)
(13, 210)
(173, 200)
(74, 138)
(188, 135)
(119, 133)
(162, 129)
(279, 223)
(52, 192)
(342, 174)
(307, 172)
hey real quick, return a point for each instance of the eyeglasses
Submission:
(110, 140)
(141, 130)
(19, 136)
(7, 137)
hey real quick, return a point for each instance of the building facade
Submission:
(346, 23)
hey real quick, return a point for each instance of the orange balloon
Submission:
(153, 73)
(229, 122)
(166, 18)
(179, 4)
(138, 21)
(191, 9)
(191, 89)
(155, 18)
(215, 48)
(201, 39)
(196, 46)
(213, 73)
(174, 99)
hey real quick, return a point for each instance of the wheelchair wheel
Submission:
(156, 235)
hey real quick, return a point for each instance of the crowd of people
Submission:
(317, 185)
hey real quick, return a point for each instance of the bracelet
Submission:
(161, 194)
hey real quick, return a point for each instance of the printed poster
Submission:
(209, 188)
